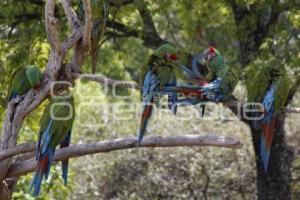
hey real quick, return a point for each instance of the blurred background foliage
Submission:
(158, 173)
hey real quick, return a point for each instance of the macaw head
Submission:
(166, 51)
(34, 76)
(212, 57)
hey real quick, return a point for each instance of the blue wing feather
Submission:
(268, 127)
(148, 90)
(44, 155)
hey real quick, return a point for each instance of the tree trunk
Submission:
(275, 184)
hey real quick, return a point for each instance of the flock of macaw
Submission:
(157, 77)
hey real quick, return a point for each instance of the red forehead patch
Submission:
(211, 50)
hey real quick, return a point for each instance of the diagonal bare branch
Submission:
(20, 149)
(51, 28)
(70, 14)
(71, 41)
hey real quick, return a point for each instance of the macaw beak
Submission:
(209, 57)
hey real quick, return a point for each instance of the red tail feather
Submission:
(43, 164)
(268, 132)
(147, 112)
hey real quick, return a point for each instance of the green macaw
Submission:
(268, 85)
(217, 85)
(55, 129)
(222, 78)
(23, 80)
(100, 12)
(156, 74)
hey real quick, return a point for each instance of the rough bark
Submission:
(275, 184)
(19, 108)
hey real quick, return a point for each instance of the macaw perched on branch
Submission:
(156, 74)
(216, 86)
(222, 78)
(100, 12)
(23, 80)
(270, 86)
(55, 129)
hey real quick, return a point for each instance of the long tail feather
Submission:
(44, 156)
(268, 129)
(172, 99)
(65, 163)
(147, 112)
(43, 170)
(65, 169)
(203, 110)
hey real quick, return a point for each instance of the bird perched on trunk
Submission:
(100, 12)
(270, 86)
(156, 74)
(55, 129)
(23, 80)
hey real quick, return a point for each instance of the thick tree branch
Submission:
(71, 41)
(17, 150)
(19, 108)
(51, 28)
(146, 17)
(150, 40)
(88, 25)
(19, 169)
(71, 14)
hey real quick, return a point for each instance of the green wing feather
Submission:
(257, 82)
(260, 75)
(229, 81)
(283, 86)
(19, 83)
(144, 69)
(229, 75)
(157, 60)
(58, 108)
